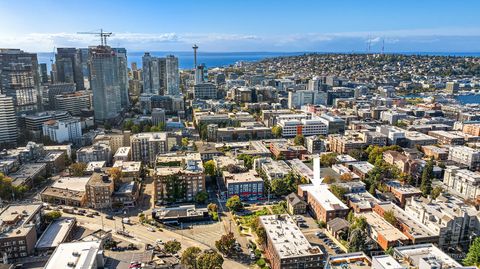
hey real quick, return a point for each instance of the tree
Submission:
(473, 255)
(226, 244)
(389, 216)
(162, 126)
(127, 125)
(346, 177)
(212, 207)
(234, 203)
(115, 173)
(52, 215)
(359, 223)
(339, 191)
(247, 159)
(209, 260)
(356, 241)
(277, 131)
(172, 246)
(201, 197)
(299, 140)
(328, 179)
(189, 257)
(262, 235)
(427, 177)
(154, 129)
(135, 129)
(209, 168)
(436, 192)
(107, 126)
(77, 169)
(328, 159)
(279, 186)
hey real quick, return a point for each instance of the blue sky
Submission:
(245, 25)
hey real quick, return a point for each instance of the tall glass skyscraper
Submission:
(105, 83)
(8, 122)
(19, 79)
(122, 64)
(68, 65)
(160, 75)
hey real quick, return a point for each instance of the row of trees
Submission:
(8, 191)
(143, 127)
(194, 258)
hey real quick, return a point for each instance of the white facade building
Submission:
(291, 128)
(63, 130)
(462, 181)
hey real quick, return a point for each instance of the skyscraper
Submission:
(105, 83)
(8, 121)
(43, 73)
(160, 75)
(122, 65)
(19, 79)
(68, 65)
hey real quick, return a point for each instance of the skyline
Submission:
(247, 26)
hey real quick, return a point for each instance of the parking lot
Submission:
(319, 238)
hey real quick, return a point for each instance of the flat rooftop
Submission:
(286, 238)
(122, 152)
(354, 260)
(324, 196)
(404, 189)
(429, 253)
(91, 166)
(386, 262)
(71, 183)
(17, 218)
(75, 255)
(128, 166)
(250, 176)
(381, 226)
(56, 233)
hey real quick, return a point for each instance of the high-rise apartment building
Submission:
(68, 64)
(19, 79)
(160, 75)
(8, 122)
(122, 65)
(105, 83)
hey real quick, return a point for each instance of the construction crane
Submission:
(103, 35)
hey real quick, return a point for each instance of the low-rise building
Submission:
(61, 131)
(286, 246)
(344, 143)
(295, 204)
(360, 168)
(130, 170)
(28, 174)
(415, 139)
(424, 256)
(272, 169)
(305, 127)
(57, 232)
(435, 152)
(178, 177)
(180, 214)
(69, 191)
(417, 232)
(287, 151)
(99, 191)
(384, 233)
(448, 217)
(122, 154)
(322, 203)
(465, 155)
(315, 144)
(356, 260)
(402, 192)
(126, 194)
(247, 185)
(19, 227)
(447, 138)
(79, 254)
(464, 182)
(99, 151)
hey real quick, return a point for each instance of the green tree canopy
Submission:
(172, 246)
(52, 215)
(209, 260)
(427, 177)
(201, 197)
(277, 131)
(299, 140)
(209, 167)
(226, 244)
(189, 257)
(473, 255)
(77, 169)
(234, 203)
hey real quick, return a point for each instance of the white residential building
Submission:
(448, 217)
(305, 127)
(63, 130)
(462, 181)
(465, 155)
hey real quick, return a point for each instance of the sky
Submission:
(245, 25)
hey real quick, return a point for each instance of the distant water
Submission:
(462, 99)
(220, 59)
(185, 59)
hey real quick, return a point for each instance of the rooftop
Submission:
(418, 254)
(71, 183)
(56, 233)
(324, 196)
(91, 166)
(250, 176)
(381, 226)
(15, 219)
(354, 260)
(286, 238)
(75, 255)
(128, 166)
